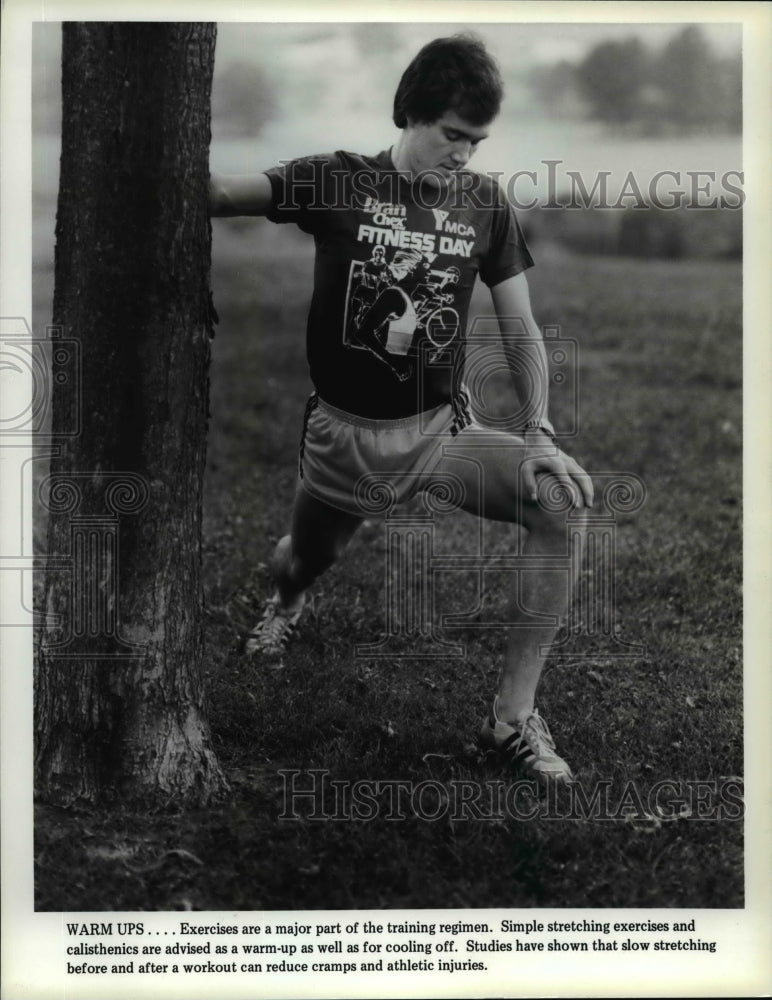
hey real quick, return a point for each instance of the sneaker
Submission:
(269, 637)
(529, 748)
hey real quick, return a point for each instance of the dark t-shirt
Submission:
(395, 267)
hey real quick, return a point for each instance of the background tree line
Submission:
(683, 86)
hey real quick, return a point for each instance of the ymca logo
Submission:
(445, 224)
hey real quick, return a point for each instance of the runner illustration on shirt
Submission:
(394, 306)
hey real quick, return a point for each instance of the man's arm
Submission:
(239, 194)
(512, 302)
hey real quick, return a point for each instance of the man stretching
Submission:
(366, 417)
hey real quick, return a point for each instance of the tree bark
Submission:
(119, 694)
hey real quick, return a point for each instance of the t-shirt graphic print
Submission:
(396, 305)
(395, 266)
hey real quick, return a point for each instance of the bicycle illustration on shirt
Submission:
(394, 306)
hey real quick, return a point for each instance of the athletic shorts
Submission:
(366, 467)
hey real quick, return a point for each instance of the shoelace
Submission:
(535, 732)
(274, 629)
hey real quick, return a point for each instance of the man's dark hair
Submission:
(449, 74)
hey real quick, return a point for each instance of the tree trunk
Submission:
(119, 695)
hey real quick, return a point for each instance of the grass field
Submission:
(659, 365)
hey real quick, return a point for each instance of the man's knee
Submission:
(557, 511)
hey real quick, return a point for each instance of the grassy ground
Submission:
(659, 396)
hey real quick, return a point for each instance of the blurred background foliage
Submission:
(648, 80)
(597, 98)
(656, 78)
(684, 84)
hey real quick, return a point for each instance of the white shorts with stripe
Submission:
(364, 466)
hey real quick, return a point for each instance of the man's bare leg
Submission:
(544, 591)
(318, 535)
(493, 489)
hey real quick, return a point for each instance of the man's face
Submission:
(439, 148)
